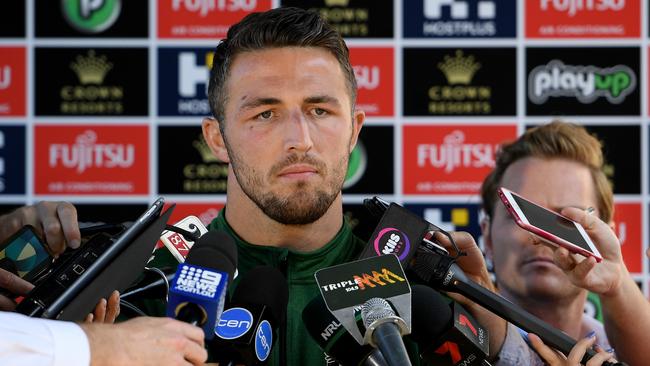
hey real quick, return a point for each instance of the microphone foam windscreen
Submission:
(215, 249)
(430, 312)
(264, 285)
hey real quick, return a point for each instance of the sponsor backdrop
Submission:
(101, 101)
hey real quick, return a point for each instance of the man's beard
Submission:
(301, 206)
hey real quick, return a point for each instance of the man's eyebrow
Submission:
(322, 99)
(256, 102)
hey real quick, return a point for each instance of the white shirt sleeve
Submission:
(29, 341)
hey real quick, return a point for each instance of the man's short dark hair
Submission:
(281, 27)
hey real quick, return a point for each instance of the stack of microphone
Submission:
(246, 329)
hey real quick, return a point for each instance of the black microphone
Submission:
(384, 330)
(334, 339)
(198, 291)
(446, 333)
(153, 284)
(246, 330)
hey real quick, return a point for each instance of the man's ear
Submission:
(486, 235)
(358, 118)
(214, 139)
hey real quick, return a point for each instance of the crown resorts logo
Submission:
(331, 3)
(91, 97)
(91, 16)
(585, 83)
(91, 69)
(346, 20)
(459, 69)
(208, 176)
(459, 97)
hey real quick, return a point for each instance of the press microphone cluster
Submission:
(247, 329)
(384, 330)
(408, 236)
(376, 291)
(446, 333)
(197, 293)
(334, 339)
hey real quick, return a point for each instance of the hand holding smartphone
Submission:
(549, 226)
(24, 254)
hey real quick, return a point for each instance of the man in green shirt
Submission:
(282, 92)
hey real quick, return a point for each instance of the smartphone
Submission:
(549, 226)
(25, 254)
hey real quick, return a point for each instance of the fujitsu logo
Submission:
(367, 76)
(454, 153)
(203, 7)
(571, 7)
(5, 77)
(87, 153)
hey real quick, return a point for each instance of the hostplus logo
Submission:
(91, 16)
(585, 83)
(87, 153)
(460, 24)
(196, 280)
(572, 7)
(392, 241)
(454, 153)
(205, 7)
(191, 76)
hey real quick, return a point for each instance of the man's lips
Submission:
(298, 171)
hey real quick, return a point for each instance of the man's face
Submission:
(289, 130)
(524, 271)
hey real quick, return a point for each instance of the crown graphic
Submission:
(337, 2)
(202, 147)
(459, 69)
(91, 69)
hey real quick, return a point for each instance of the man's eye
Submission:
(265, 115)
(320, 112)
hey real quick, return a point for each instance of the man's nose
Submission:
(298, 135)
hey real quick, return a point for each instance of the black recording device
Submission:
(70, 289)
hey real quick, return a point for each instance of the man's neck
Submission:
(565, 315)
(253, 226)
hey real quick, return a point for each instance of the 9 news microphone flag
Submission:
(198, 291)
